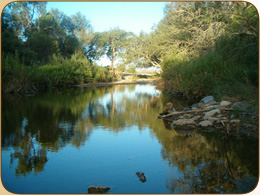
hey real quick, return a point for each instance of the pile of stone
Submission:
(207, 114)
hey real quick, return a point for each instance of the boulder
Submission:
(205, 123)
(207, 99)
(181, 122)
(98, 189)
(211, 113)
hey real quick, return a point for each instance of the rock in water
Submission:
(141, 176)
(207, 99)
(98, 189)
(182, 122)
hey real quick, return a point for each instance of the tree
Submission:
(111, 43)
(24, 15)
(142, 51)
(43, 45)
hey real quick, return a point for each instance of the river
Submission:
(65, 141)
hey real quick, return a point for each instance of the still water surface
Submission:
(64, 142)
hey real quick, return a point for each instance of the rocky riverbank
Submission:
(208, 114)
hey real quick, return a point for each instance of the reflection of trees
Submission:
(116, 114)
(205, 160)
(52, 120)
(55, 119)
(30, 156)
(208, 162)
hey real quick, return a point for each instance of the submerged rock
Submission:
(141, 176)
(98, 189)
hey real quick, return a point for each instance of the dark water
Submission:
(64, 142)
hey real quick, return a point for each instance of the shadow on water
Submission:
(33, 127)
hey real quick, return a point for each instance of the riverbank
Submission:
(121, 82)
(232, 117)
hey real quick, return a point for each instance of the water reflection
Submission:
(203, 162)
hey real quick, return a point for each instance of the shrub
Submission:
(64, 73)
(101, 74)
(16, 77)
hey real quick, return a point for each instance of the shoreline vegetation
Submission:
(200, 48)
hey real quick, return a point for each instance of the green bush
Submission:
(59, 72)
(64, 72)
(101, 74)
(16, 77)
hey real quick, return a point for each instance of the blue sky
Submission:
(129, 16)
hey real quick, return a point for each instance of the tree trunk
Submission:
(113, 59)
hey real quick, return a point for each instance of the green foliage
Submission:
(16, 78)
(121, 67)
(101, 74)
(37, 35)
(131, 69)
(221, 56)
(44, 46)
(213, 73)
(64, 72)
(60, 72)
(111, 43)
